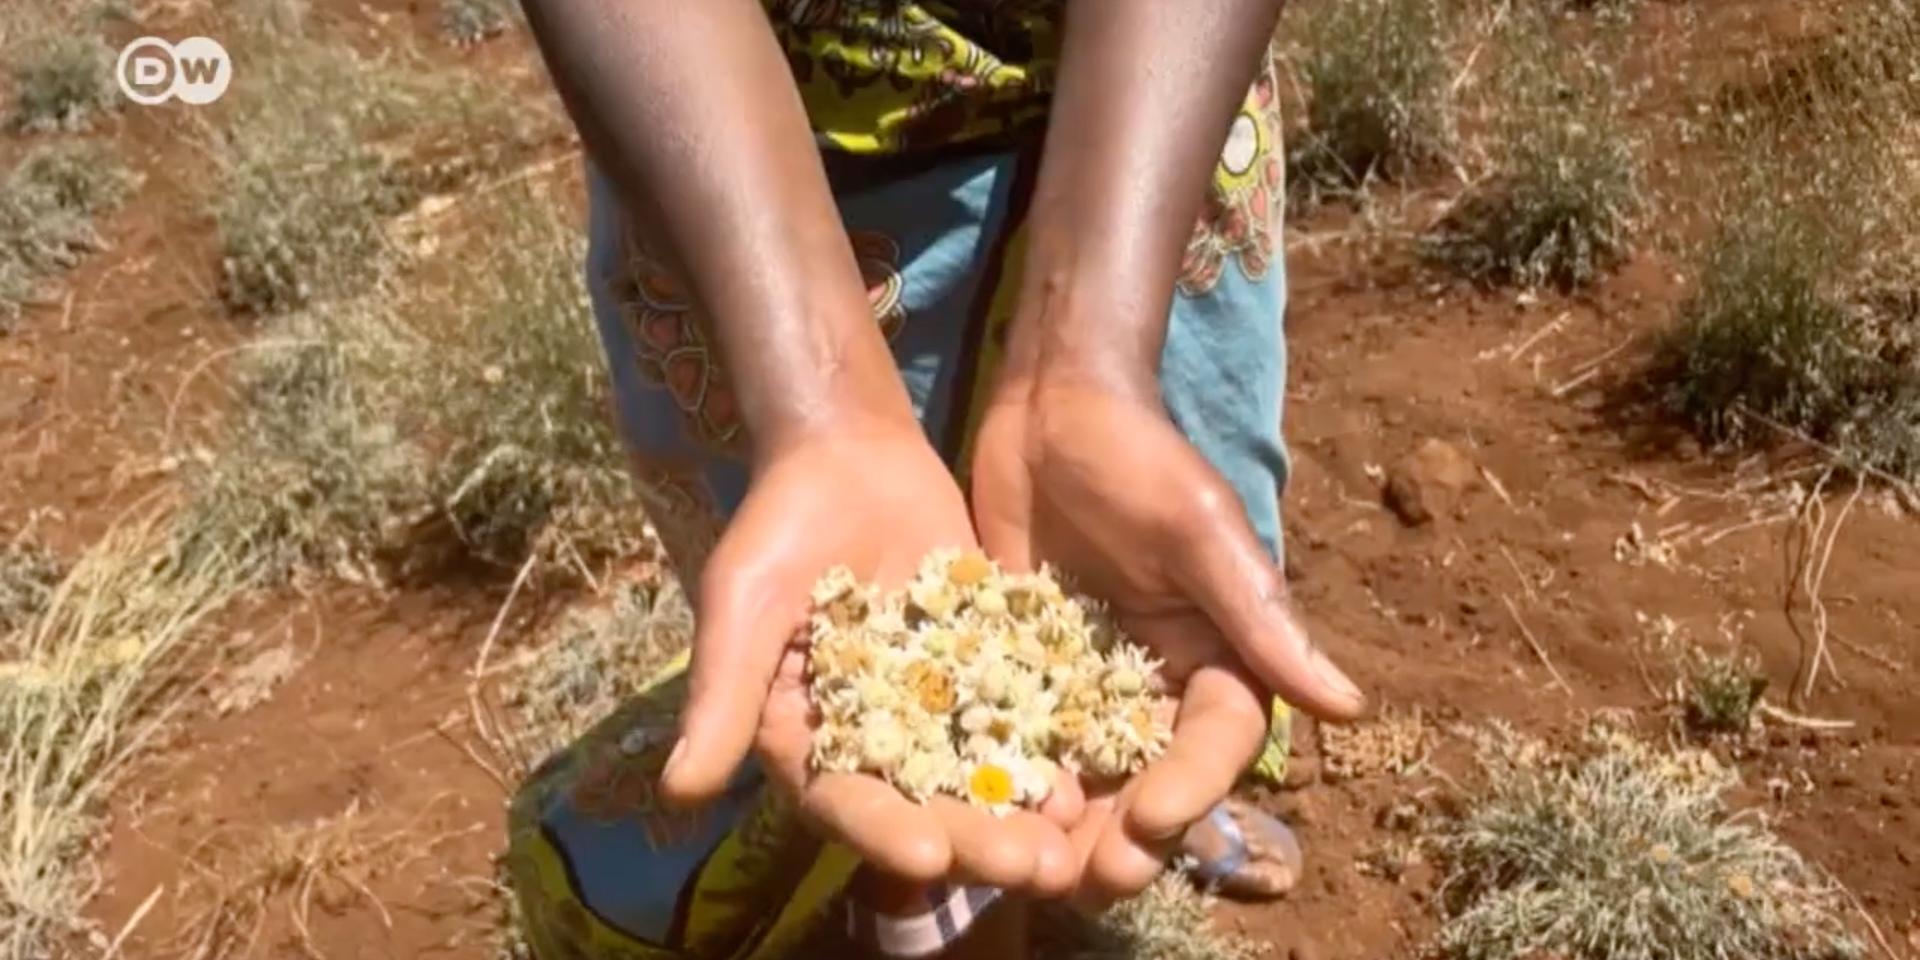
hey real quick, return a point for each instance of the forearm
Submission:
(1146, 93)
(689, 109)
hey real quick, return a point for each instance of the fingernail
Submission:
(673, 760)
(1338, 680)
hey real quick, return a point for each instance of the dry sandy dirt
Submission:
(1528, 595)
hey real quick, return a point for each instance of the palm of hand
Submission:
(1102, 485)
(875, 503)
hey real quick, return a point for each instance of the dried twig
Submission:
(1801, 720)
(1534, 642)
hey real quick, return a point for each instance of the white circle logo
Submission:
(1243, 145)
(152, 71)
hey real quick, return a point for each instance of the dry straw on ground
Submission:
(85, 684)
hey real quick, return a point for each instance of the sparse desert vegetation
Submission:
(48, 205)
(1557, 204)
(1376, 80)
(334, 396)
(1621, 849)
(62, 81)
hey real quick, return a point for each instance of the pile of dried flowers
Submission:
(978, 683)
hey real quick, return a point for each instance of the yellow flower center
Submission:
(990, 785)
(969, 568)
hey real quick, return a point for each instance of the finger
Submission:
(1055, 868)
(986, 849)
(1002, 498)
(1116, 866)
(1123, 866)
(1068, 801)
(741, 629)
(1085, 836)
(786, 723)
(881, 826)
(1219, 730)
(1231, 577)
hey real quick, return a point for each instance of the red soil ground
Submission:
(370, 731)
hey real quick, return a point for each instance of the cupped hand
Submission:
(1096, 480)
(875, 499)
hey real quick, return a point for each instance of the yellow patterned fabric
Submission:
(891, 77)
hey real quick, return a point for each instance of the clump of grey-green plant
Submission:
(461, 406)
(62, 80)
(48, 203)
(1620, 850)
(1721, 690)
(598, 656)
(326, 146)
(1804, 313)
(1558, 205)
(1170, 920)
(1805, 317)
(1375, 75)
(471, 21)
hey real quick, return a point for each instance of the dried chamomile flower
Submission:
(977, 683)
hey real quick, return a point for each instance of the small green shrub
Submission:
(1559, 204)
(48, 203)
(62, 80)
(1722, 690)
(1620, 851)
(1375, 75)
(471, 21)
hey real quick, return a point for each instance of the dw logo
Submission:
(152, 71)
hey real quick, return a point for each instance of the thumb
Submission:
(741, 630)
(1230, 576)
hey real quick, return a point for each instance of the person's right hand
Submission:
(876, 499)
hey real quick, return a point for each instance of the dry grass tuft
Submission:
(62, 80)
(84, 685)
(1621, 851)
(1375, 75)
(1559, 203)
(464, 402)
(324, 146)
(1806, 314)
(1169, 921)
(1721, 690)
(1395, 742)
(286, 873)
(28, 575)
(48, 203)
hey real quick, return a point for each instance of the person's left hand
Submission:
(1096, 480)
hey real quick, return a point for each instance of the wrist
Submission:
(847, 387)
(1075, 330)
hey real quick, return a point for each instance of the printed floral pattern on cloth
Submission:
(886, 76)
(674, 346)
(1241, 219)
